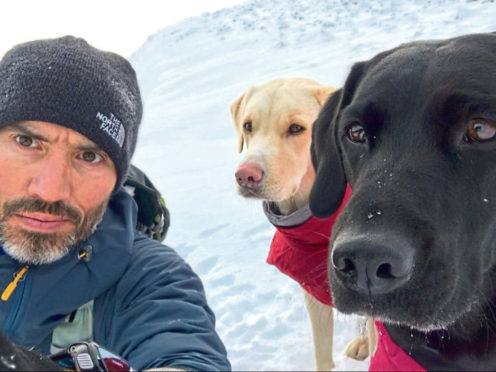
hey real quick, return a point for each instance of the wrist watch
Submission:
(89, 356)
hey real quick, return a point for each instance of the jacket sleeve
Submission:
(157, 315)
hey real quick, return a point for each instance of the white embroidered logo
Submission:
(113, 127)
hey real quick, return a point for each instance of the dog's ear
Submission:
(238, 125)
(323, 93)
(329, 186)
(330, 180)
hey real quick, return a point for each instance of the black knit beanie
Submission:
(66, 81)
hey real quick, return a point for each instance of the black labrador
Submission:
(413, 131)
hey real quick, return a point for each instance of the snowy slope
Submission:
(189, 74)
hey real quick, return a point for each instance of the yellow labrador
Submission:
(274, 122)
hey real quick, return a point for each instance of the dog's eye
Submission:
(356, 133)
(295, 129)
(480, 130)
(248, 126)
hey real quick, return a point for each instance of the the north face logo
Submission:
(113, 127)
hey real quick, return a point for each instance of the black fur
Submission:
(18, 358)
(420, 191)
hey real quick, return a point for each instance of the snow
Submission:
(189, 74)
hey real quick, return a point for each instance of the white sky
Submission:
(120, 26)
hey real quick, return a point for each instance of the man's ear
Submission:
(330, 180)
(238, 125)
(323, 93)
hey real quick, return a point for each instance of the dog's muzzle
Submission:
(373, 265)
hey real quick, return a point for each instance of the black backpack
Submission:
(153, 215)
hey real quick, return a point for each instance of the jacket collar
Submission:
(296, 218)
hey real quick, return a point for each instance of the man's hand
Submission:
(17, 358)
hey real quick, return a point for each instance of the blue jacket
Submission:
(149, 306)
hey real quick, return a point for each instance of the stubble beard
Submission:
(36, 248)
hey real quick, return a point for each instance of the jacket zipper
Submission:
(18, 276)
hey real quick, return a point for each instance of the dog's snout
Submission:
(249, 175)
(373, 267)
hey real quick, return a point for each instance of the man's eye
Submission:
(25, 141)
(91, 157)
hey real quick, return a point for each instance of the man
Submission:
(69, 118)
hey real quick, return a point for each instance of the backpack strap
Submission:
(153, 215)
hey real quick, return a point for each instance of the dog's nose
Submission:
(373, 267)
(249, 175)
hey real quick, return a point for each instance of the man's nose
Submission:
(50, 180)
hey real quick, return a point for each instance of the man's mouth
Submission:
(41, 222)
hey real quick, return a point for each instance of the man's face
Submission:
(54, 188)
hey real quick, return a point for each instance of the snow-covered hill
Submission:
(189, 74)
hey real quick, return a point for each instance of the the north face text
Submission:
(112, 126)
